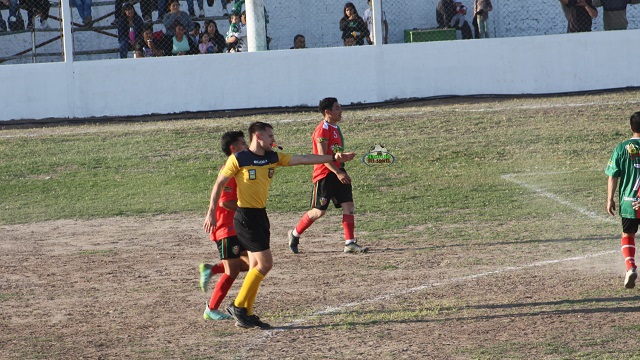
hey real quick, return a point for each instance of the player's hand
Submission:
(611, 206)
(636, 205)
(343, 177)
(345, 156)
(209, 222)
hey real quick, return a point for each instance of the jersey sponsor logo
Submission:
(271, 172)
(260, 161)
(252, 174)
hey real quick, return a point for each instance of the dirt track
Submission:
(127, 288)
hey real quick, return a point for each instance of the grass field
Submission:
(489, 238)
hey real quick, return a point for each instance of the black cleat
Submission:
(293, 242)
(240, 315)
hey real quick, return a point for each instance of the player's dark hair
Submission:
(229, 138)
(635, 122)
(326, 104)
(258, 126)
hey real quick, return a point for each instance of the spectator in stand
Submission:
(195, 33)
(150, 47)
(458, 17)
(349, 40)
(445, 11)
(146, 8)
(368, 18)
(224, 3)
(615, 13)
(176, 15)
(206, 46)
(217, 39)
(192, 9)
(37, 10)
(299, 42)
(579, 14)
(481, 10)
(352, 23)
(237, 35)
(130, 29)
(84, 10)
(14, 15)
(181, 42)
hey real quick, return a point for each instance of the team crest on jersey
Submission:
(252, 174)
(336, 148)
(271, 171)
(235, 250)
(633, 150)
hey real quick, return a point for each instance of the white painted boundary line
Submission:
(509, 177)
(539, 191)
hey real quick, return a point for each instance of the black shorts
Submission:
(230, 248)
(252, 227)
(330, 188)
(630, 226)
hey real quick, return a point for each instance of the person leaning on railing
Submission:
(352, 23)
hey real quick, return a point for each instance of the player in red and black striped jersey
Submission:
(330, 180)
(232, 253)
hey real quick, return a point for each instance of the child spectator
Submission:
(299, 42)
(130, 29)
(195, 33)
(149, 46)
(460, 11)
(206, 46)
(181, 42)
(237, 35)
(349, 40)
(217, 39)
(352, 23)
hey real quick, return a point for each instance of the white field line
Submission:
(540, 191)
(385, 297)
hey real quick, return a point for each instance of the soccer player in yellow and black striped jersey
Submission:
(253, 169)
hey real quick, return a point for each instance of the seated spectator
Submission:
(217, 39)
(237, 35)
(149, 46)
(614, 16)
(37, 9)
(181, 42)
(84, 10)
(352, 23)
(445, 11)
(206, 46)
(146, 8)
(481, 10)
(195, 33)
(299, 42)
(349, 40)
(15, 18)
(368, 18)
(176, 15)
(579, 15)
(458, 17)
(130, 29)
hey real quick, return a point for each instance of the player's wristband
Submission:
(333, 157)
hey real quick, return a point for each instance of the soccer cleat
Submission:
(240, 315)
(293, 242)
(205, 276)
(630, 278)
(258, 323)
(354, 248)
(215, 315)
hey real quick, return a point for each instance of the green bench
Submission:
(423, 35)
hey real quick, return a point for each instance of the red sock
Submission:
(222, 288)
(348, 225)
(217, 268)
(629, 251)
(304, 224)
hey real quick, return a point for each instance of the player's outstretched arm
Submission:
(311, 159)
(210, 217)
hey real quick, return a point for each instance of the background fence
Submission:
(317, 21)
